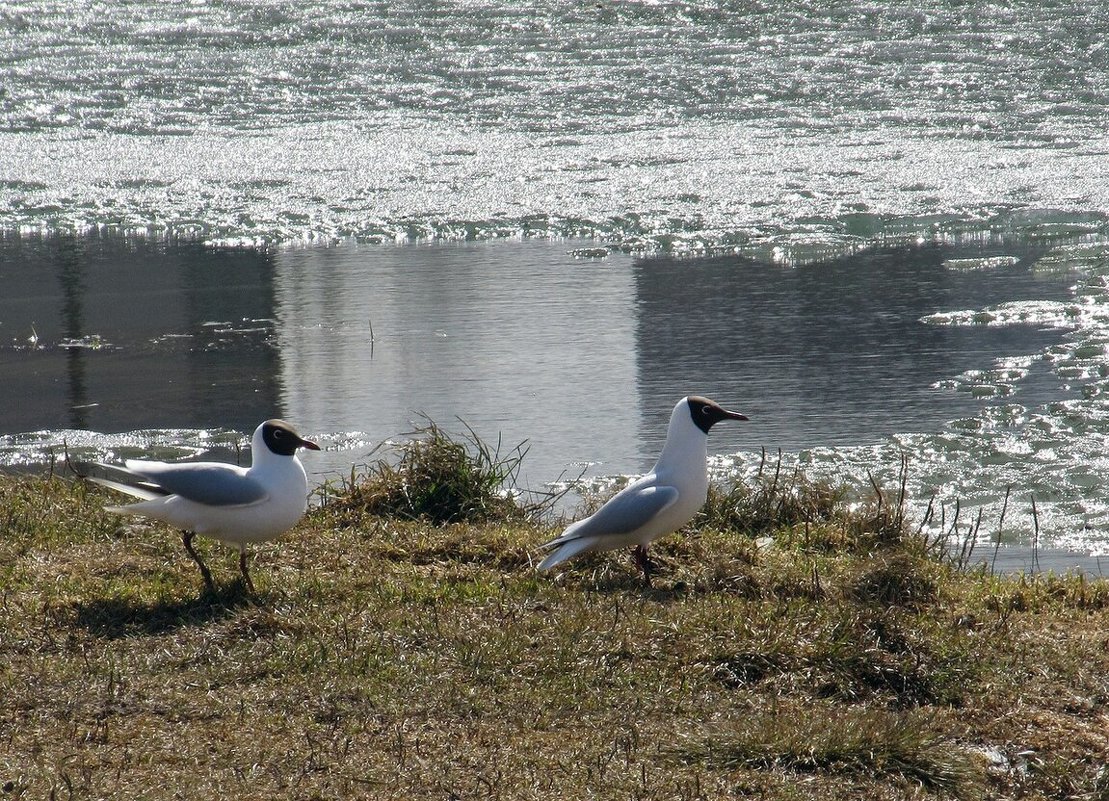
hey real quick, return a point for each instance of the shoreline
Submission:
(1015, 560)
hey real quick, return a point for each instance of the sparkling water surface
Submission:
(687, 124)
(902, 214)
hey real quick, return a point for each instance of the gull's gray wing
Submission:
(209, 483)
(625, 512)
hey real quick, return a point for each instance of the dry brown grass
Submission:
(403, 659)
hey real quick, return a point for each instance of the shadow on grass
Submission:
(609, 579)
(127, 617)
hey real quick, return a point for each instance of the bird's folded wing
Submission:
(207, 483)
(629, 510)
(119, 479)
(137, 489)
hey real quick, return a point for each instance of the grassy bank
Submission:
(387, 655)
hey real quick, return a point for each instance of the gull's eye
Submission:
(278, 433)
(706, 411)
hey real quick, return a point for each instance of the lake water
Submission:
(355, 214)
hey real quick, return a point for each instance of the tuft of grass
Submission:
(857, 742)
(440, 479)
(814, 516)
(771, 502)
(896, 579)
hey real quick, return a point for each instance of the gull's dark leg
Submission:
(187, 538)
(643, 562)
(243, 570)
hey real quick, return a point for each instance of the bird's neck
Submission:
(685, 452)
(267, 462)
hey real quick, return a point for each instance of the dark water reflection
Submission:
(582, 358)
(119, 335)
(835, 353)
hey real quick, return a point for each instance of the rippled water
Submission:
(679, 124)
(903, 210)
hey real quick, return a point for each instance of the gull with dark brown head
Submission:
(662, 501)
(235, 505)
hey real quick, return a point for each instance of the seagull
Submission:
(662, 501)
(235, 505)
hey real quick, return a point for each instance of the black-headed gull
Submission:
(662, 501)
(235, 505)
